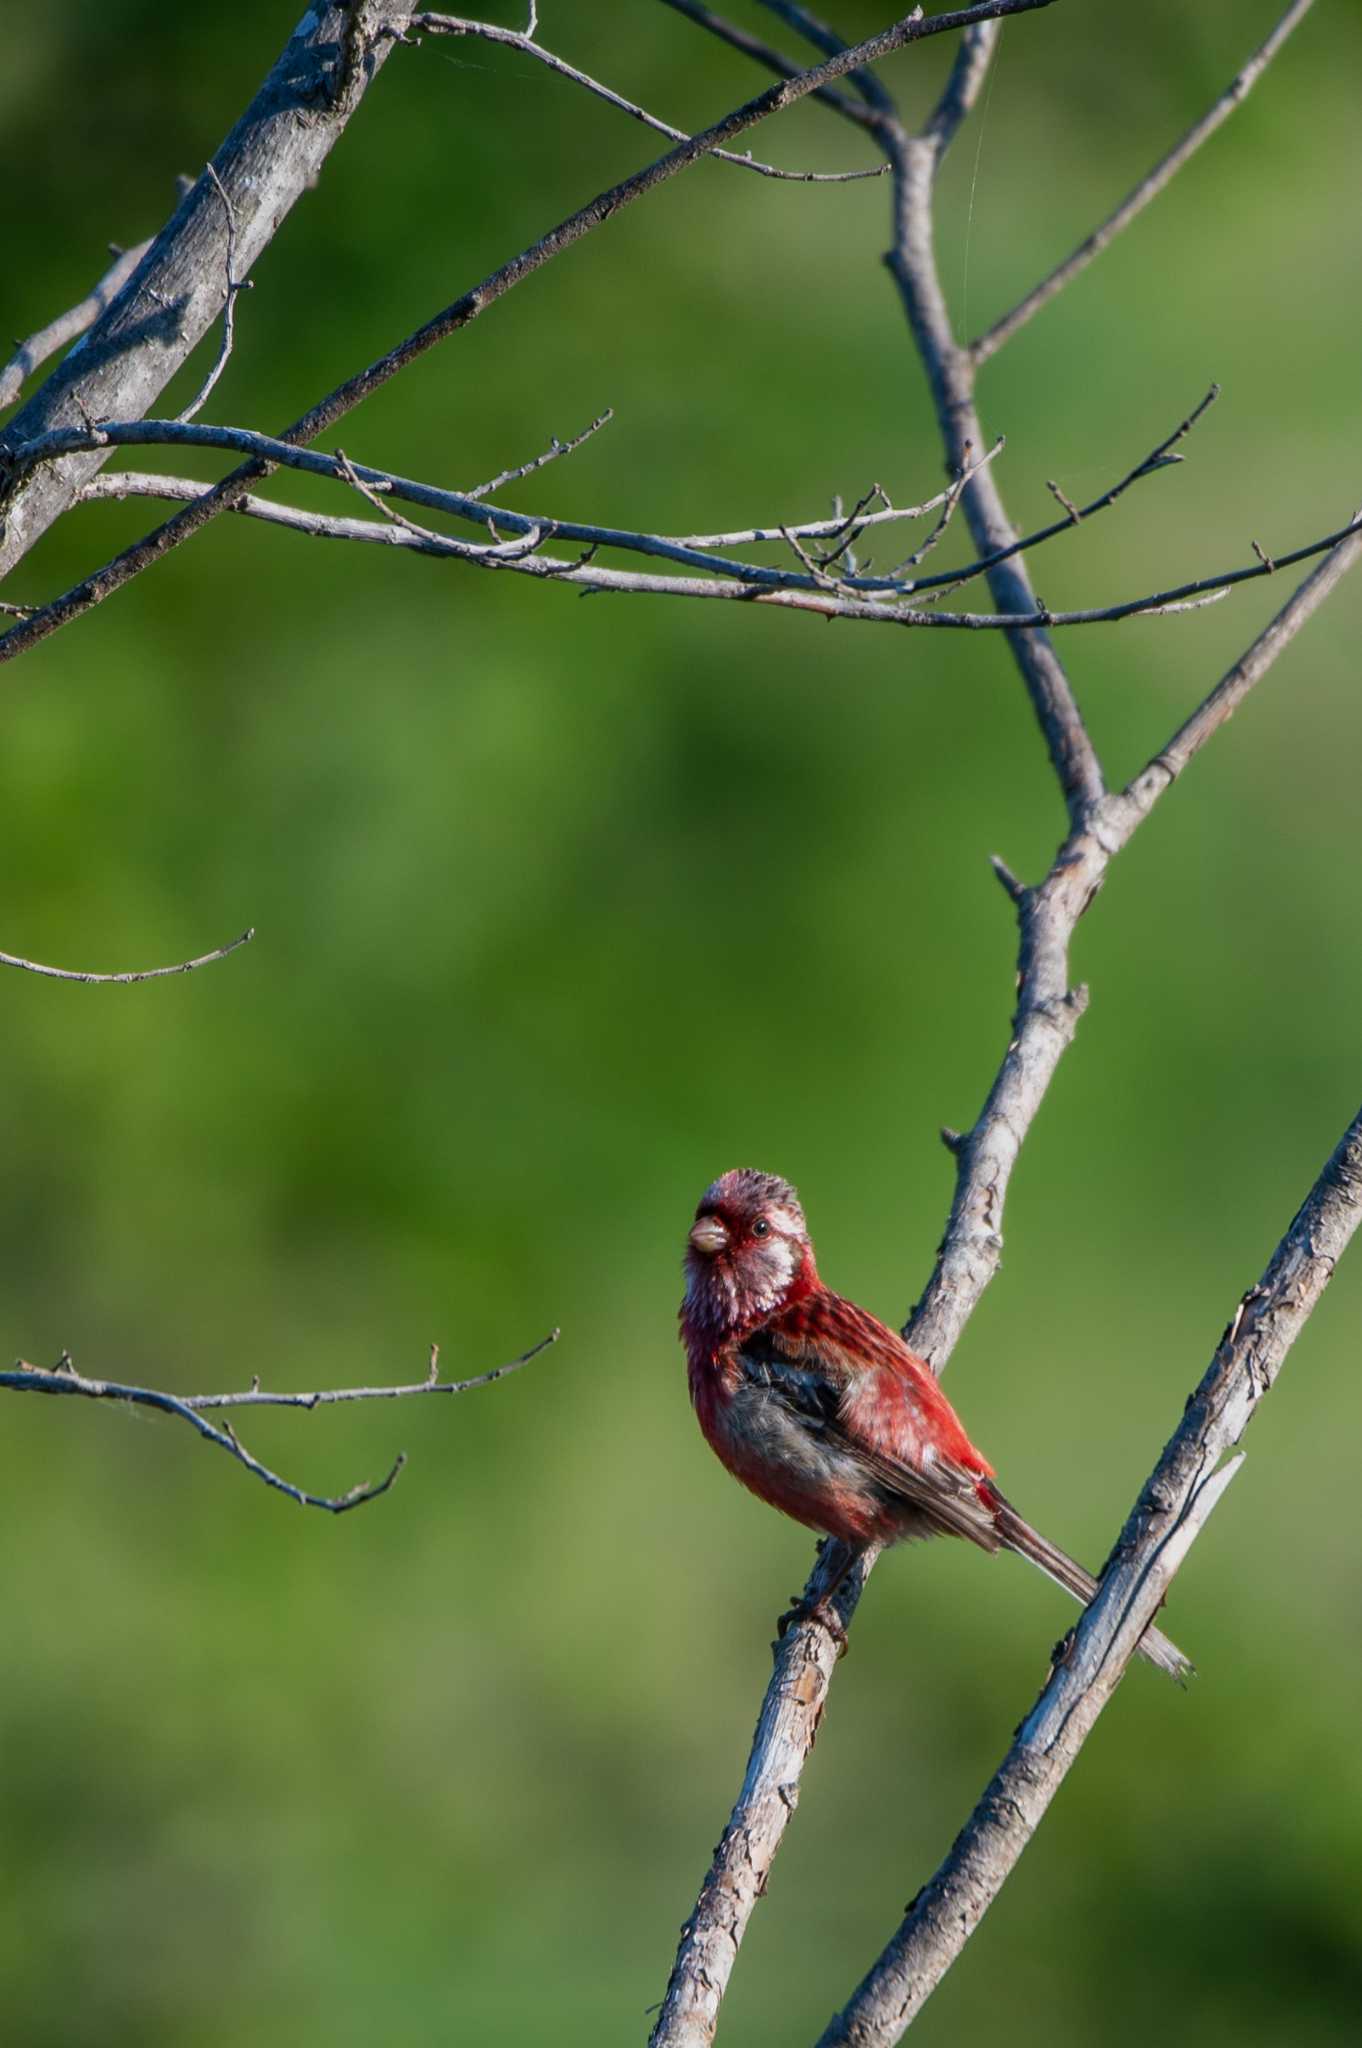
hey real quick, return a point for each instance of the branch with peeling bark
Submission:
(64, 1380)
(1047, 1013)
(1170, 1513)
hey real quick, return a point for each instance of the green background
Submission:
(564, 907)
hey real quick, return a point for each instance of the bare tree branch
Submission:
(1171, 1509)
(136, 483)
(1148, 188)
(814, 590)
(272, 155)
(1230, 692)
(1047, 1013)
(515, 39)
(771, 59)
(916, 160)
(256, 1397)
(93, 589)
(140, 974)
(64, 1379)
(68, 326)
(807, 24)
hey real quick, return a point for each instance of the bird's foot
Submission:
(820, 1611)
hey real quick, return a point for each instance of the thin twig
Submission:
(817, 32)
(234, 285)
(31, 1379)
(555, 449)
(1158, 458)
(514, 39)
(1230, 692)
(141, 974)
(68, 326)
(1169, 1513)
(1148, 188)
(256, 1397)
(752, 46)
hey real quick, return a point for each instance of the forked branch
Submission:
(56, 404)
(1047, 1013)
(63, 1379)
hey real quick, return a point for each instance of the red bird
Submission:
(822, 1410)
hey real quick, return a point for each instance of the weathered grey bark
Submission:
(1162, 1525)
(177, 291)
(1046, 1017)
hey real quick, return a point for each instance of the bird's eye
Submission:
(761, 1228)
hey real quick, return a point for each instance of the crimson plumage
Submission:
(825, 1412)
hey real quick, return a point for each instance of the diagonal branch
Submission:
(68, 326)
(807, 24)
(517, 39)
(764, 54)
(916, 160)
(1230, 692)
(271, 157)
(1171, 1509)
(64, 1379)
(1149, 188)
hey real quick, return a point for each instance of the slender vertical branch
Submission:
(916, 159)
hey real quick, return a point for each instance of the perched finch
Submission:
(825, 1412)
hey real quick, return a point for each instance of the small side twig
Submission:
(555, 449)
(68, 326)
(763, 53)
(139, 974)
(234, 285)
(523, 41)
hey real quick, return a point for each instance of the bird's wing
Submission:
(869, 1413)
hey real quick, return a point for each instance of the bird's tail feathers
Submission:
(1019, 1536)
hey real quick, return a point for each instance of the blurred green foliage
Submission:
(563, 908)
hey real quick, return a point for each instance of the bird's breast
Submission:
(785, 1459)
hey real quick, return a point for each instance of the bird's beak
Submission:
(708, 1235)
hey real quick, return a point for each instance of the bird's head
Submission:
(747, 1255)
